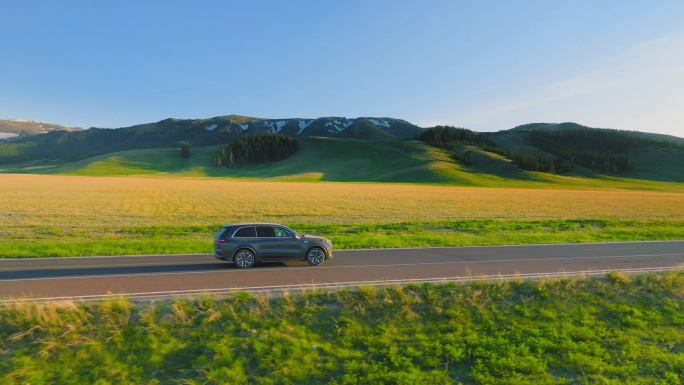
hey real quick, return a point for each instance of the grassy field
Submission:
(73, 215)
(611, 330)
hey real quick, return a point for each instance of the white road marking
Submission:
(463, 253)
(167, 294)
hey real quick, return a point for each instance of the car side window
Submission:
(222, 233)
(265, 232)
(283, 233)
(245, 232)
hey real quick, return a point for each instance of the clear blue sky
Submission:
(483, 65)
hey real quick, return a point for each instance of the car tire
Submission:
(315, 256)
(244, 259)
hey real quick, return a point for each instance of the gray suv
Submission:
(247, 243)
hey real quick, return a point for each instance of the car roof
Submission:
(253, 224)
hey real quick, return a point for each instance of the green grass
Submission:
(350, 160)
(614, 329)
(53, 241)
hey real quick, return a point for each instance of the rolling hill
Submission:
(341, 149)
(323, 159)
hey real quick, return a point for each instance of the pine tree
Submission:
(468, 158)
(185, 150)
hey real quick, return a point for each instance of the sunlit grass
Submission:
(617, 329)
(66, 215)
(110, 201)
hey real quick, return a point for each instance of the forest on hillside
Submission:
(454, 138)
(256, 149)
(601, 150)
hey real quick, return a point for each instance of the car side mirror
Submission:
(297, 236)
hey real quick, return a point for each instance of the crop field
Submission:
(614, 329)
(54, 215)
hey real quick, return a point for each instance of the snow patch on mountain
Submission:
(275, 127)
(302, 125)
(335, 125)
(212, 127)
(7, 135)
(379, 123)
(339, 126)
(243, 126)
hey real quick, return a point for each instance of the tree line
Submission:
(255, 149)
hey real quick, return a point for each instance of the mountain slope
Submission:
(198, 132)
(10, 128)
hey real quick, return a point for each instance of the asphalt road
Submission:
(165, 275)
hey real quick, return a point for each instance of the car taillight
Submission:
(220, 240)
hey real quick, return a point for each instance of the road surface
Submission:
(168, 275)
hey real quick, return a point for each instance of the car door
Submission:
(246, 236)
(281, 244)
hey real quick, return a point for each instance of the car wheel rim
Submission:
(315, 256)
(244, 259)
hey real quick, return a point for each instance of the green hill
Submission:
(341, 160)
(628, 153)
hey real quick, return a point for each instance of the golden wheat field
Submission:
(117, 201)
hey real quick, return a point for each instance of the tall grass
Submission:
(60, 215)
(615, 329)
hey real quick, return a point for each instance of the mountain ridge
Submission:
(170, 132)
(571, 125)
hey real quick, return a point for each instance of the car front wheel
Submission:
(244, 259)
(315, 256)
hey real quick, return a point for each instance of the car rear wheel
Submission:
(315, 256)
(244, 259)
